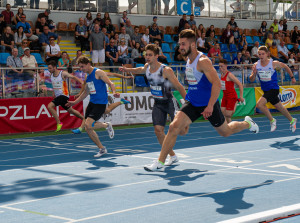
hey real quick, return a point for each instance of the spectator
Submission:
(243, 42)
(137, 37)
(29, 61)
(123, 19)
(74, 61)
(116, 38)
(2, 25)
(187, 26)
(284, 30)
(88, 20)
(131, 5)
(146, 37)
(109, 27)
(15, 62)
(254, 52)
(161, 57)
(211, 40)
(7, 40)
(199, 3)
(295, 35)
(136, 54)
(39, 27)
(178, 56)
(19, 36)
(27, 29)
(97, 46)
(274, 51)
(200, 30)
(247, 59)
(275, 26)
(201, 46)
(292, 61)
(271, 30)
(232, 23)
(105, 17)
(64, 61)
(111, 54)
(182, 22)
(52, 50)
(45, 36)
(155, 34)
(287, 38)
(236, 6)
(244, 49)
(45, 14)
(295, 50)
(215, 53)
(8, 15)
(283, 52)
(211, 29)
(154, 20)
(96, 21)
(238, 60)
(192, 20)
(280, 26)
(227, 35)
(127, 38)
(269, 40)
(81, 34)
(107, 36)
(263, 28)
(128, 28)
(22, 47)
(98, 18)
(17, 17)
(123, 53)
(236, 35)
(277, 39)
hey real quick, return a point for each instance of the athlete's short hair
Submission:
(189, 34)
(264, 48)
(224, 61)
(154, 48)
(83, 60)
(52, 63)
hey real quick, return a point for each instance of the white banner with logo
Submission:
(139, 111)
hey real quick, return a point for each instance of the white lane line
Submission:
(166, 202)
(266, 215)
(39, 213)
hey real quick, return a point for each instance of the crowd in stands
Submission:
(125, 43)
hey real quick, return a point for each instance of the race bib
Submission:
(190, 77)
(91, 87)
(223, 85)
(156, 91)
(56, 85)
(265, 75)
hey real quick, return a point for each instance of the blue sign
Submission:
(184, 7)
(197, 11)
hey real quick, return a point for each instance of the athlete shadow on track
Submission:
(178, 177)
(231, 201)
(291, 145)
(97, 164)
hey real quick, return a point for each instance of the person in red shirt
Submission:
(215, 53)
(8, 15)
(230, 98)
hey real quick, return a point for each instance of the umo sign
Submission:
(184, 7)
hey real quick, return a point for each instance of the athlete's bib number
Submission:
(91, 87)
(223, 85)
(56, 85)
(190, 77)
(156, 91)
(265, 75)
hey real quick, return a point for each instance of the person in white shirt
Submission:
(146, 37)
(29, 61)
(201, 43)
(254, 52)
(52, 50)
(283, 52)
(123, 53)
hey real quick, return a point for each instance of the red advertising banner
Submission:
(19, 115)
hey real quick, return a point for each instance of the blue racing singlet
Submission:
(267, 76)
(98, 92)
(199, 91)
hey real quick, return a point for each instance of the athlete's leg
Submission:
(112, 107)
(51, 108)
(160, 134)
(180, 122)
(92, 134)
(76, 113)
(233, 127)
(99, 125)
(261, 105)
(283, 111)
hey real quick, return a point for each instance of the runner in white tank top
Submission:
(265, 68)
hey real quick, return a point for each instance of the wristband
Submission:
(292, 77)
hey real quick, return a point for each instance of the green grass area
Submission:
(62, 132)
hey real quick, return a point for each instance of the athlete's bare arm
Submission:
(67, 75)
(277, 64)
(80, 98)
(168, 73)
(204, 65)
(253, 73)
(138, 70)
(232, 78)
(118, 75)
(100, 74)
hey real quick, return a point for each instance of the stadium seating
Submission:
(257, 38)
(38, 58)
(233, 48)
(170, 61)
(3, 58)
(227, 57)
(166, 48)
(224, 48)
(168, 38)
(249, 40)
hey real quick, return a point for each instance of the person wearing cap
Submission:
(27, 29)
(8, 15)
(36, 2)
(29, 61)
(7, 40)
(44, 14)
(154, 20)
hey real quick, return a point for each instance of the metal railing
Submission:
(37, 83)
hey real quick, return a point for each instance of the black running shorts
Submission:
(272, 96)
(160, 111)
(61, 100)
(216, 119)
(95, 111)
